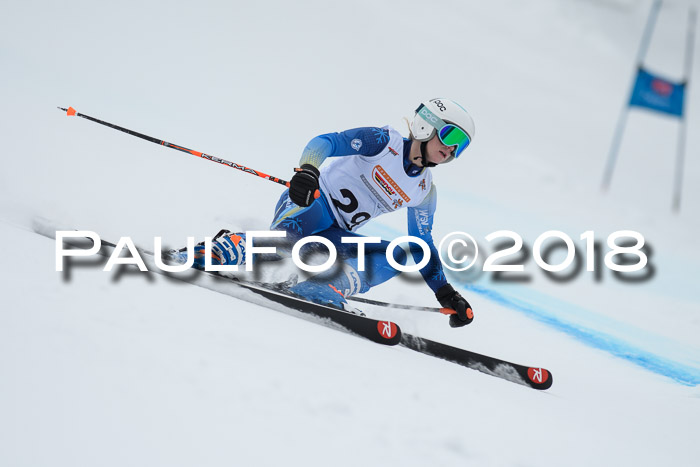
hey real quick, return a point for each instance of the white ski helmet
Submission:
(446, 118)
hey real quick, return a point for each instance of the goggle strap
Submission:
(427, 115)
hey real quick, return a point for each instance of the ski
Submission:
(534, 377)
(379, 331)
(382, 332)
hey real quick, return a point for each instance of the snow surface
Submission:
(133, 369)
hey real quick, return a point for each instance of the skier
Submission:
(374, 171)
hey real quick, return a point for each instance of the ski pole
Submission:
(70, 111)
(444, 311)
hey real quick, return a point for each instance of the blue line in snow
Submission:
(683, 374)
(680, 373)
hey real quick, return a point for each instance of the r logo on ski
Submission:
(387, 329)
(535, 375)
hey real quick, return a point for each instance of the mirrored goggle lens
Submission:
(452, 135)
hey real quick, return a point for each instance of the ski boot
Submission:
(227, 248)
(331, 291)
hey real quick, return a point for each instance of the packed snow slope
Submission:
(132, 369)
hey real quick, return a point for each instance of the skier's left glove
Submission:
(303, 187)
(450, 298)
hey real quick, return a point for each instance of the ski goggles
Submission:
(449, 134)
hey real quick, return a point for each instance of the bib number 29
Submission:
(349, 208)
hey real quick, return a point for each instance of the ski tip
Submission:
(539, 378)
(389, 333)
(387, 329)
(70, 111)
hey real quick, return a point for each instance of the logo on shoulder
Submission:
(393, 151)
(356, 144)
(381, 134)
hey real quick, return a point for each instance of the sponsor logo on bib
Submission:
(383, 184)
(388, 185)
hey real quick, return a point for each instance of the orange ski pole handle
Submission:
(70, 111)
(450, 311)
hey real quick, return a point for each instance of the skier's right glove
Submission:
(450, 298)
(303, 187)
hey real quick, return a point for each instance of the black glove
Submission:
(303, 186)
(450, 298)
